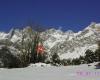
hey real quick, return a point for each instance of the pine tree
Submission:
(69, 61)
(76, 61)
(89, 56)
(55, 59)
(97, 52)
(82, 60)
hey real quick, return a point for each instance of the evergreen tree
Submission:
(76, 61)
(97, 52)
(89, 56)
(55, 59)
(82, 60)
(69, 61)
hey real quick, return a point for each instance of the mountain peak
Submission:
(94, 26)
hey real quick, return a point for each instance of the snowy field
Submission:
(47, 72)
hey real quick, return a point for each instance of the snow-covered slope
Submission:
(13, 35)
(82, 72)
(3, 35)
(79, 51)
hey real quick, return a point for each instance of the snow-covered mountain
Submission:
(67, 44)
(71, 45)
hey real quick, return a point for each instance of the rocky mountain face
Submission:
(71, 45)
(67, 44)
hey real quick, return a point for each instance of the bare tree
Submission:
(30, 39)
(35, 55)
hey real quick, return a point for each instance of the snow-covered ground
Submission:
(47, 72)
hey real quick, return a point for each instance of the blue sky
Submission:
(70, 14)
